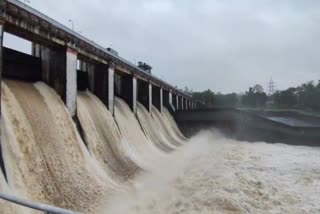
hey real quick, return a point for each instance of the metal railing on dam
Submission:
(35, 206)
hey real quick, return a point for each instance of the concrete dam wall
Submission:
(272, 127)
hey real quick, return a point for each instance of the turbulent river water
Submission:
(141, 163)
(213, 174)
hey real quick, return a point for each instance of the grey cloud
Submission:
(225, 45)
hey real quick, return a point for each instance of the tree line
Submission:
(304, 97)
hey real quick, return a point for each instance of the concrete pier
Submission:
(99, 80)
(174, 101)
(182, 107)
(59, 70)
(134, 95)
(177, 98)
(185, 104)
(171, 102)
(150, 97)
(111, 88)
(71, 80)
(182, 104)
(1, 58)
(36, 50)
(103, 84)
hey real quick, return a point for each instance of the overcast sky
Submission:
(224, 45)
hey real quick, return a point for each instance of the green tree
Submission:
(254, 98)
(305, 97)
(309, 96)
(226, 100)
(208, 97)
(286, 98)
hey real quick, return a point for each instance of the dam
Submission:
(78, 122)
(83, 130)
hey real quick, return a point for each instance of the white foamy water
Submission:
(45, 159)
(130, 129)
(153, 130)
(164, 123)
(103, 137)
(213, 174)
(173, 127)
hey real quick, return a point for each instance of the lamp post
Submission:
(72, 24)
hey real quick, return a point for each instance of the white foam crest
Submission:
(213, 174)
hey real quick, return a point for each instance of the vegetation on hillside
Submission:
(305, 97)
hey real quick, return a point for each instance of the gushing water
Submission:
(153, 130)
(213, 174)
(129, 127)
(6, 207)
(103, 137)
(172, 127)
(47, 161)
(164, 124)
(45, 158)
